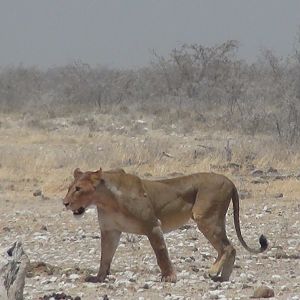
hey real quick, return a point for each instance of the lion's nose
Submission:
(66, 204)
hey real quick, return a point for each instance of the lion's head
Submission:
(82, 191)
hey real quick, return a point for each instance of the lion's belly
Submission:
(172, 222)
(174, 214)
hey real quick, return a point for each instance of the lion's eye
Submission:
(77, 188)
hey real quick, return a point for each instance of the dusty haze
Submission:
(122, 33)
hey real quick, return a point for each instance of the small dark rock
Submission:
(37, 193)
(186, 226)
(44, 228)
(272, 170)
(257, 173)
(263, 292)
(234, 166)
(282, 177)
(250, 167)
(6, 229)
(195, 269)
(279, 195)
(95, 236)
(146, 286)
(259, 181)
(59, 296)
(105, 297)
(148, 174)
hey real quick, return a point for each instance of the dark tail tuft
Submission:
(263, 243)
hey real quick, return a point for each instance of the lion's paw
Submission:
(94, 279)
(172, 277)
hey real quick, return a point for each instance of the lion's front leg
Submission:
(158, 244)
(109, 243)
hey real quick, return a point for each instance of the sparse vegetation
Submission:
(194, 86)
(193, 104)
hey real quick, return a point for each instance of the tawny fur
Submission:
(127, 203)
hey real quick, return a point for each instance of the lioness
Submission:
(126, 203)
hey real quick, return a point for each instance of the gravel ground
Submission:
(62, 250)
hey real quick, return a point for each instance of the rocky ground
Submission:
(62, 250)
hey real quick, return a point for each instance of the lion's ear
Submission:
(96, 176)
(77, 173)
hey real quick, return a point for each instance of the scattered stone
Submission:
(263, 292)
(216, 294)
(195, 269)
(146, 286)
(257, 173)
(6, 229)
(148, 174)
(284, 288)
(272, 170)
(185, 227)
(276, 277)
(95, 236)
(59, 296)
(37, 193)
(74, 276)
(249, 167)
(44, 228)
(259, 181)
(278, 195)
(282, 177)
(234, 166)
(267, 209)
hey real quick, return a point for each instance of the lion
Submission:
(127, 203)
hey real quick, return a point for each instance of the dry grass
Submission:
(48, 153)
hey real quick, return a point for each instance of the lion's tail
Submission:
(236, 208)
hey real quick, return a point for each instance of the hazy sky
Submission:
(121, 33)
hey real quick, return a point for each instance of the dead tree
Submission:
(12, 274)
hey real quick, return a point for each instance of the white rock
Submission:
(74, 276)
(216, 294)
(53, 279)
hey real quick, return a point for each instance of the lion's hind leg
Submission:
(228, 264)
(210, 218)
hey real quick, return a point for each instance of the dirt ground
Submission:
(62, 250)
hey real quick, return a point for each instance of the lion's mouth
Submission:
(79, 211)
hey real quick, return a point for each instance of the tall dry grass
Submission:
(45, 156)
